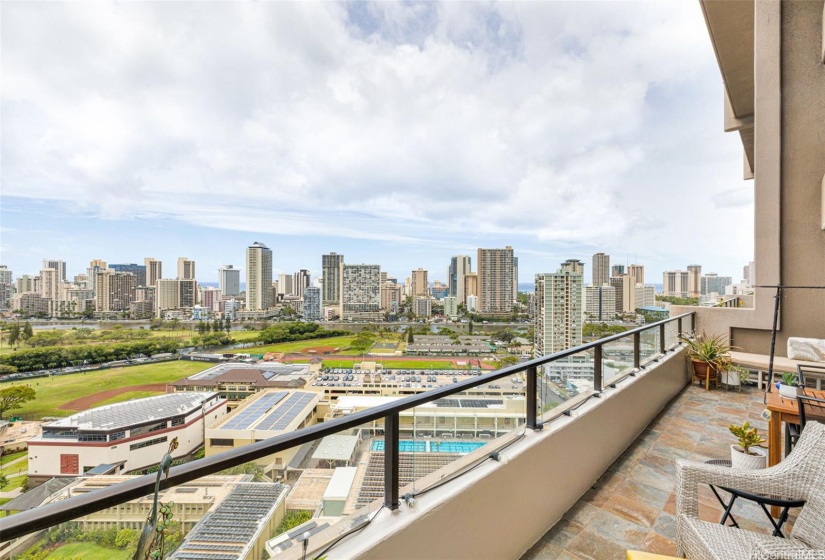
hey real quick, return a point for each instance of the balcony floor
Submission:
(632, 506)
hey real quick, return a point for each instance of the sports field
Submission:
(341, 342)
(52, 392)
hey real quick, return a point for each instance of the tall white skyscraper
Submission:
(600, 302)
(601, 269)
(50, 283)
(675, 283)
(558, 319)
(331, 287)
(286, 285)
(229, 280)
(495, 281)
(694, 280)
(258, 277)
(300, 281)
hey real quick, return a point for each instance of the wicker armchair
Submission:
(800, 476)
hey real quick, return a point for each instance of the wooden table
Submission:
(782, 410)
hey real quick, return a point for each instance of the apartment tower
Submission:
(258, 277)
(495, 281)
(694, 280)
(558, 320)
(420, 283)
(601, 269)
(186, 268)
(331, 283)
(459, 268)
(229, 280)
(154, 271)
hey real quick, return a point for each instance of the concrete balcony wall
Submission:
(499, 510)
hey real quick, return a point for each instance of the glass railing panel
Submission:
(671, 334)
(648, 345)
(617, 359)
(564, 379)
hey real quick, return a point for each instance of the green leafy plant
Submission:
(789, 379)
(747, 437)
(713, 350)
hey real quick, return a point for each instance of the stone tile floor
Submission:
(633, 505)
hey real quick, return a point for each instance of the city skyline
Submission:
(409, 133)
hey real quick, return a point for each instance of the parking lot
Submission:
(405, 378)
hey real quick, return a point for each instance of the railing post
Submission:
(532, 398)
(637, 350)
(679, 326)
(662, 338)
(597, 368)
(391, 461)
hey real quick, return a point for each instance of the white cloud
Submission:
(547, 122)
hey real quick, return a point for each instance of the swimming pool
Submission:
(417, 446)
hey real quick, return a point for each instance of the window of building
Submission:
(114, 436)
(140, 430)
(147, 443)
(221, 442)
(91, 437)
(177, 421)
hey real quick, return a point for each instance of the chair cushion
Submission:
(702, 540)
(810, 349)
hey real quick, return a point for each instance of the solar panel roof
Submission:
(281, 417)
(138, 411)
(254, 411)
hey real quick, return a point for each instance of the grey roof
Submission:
(268, 370)
(34, 497)
(230, 527)
(130, 413)
(272, 411)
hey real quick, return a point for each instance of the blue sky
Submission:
(393, 133)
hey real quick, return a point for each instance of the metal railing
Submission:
(45, 516)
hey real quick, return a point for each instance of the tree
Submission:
(14, 334)
(216, 326)
(470, 328)
(228, 325)
(13, 397)
(410, 337)
(27, 331)
(4, 369)
(3, 481)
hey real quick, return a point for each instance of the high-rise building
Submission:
(138, 270)
(361, 292)
(95, 267)
(572, 265)
(694, 280)
(258, 277)
(312, 304)
(186, 268)
(392, 294)
(115, 290)
(495, 281)
(229, 280)
(331, 269)
(713, 283)
(59, 266)
(558, 319)
(175, 293)
(625, 293)
(6, 287)
(470, 285)
(459, 268)
(515, 279)
(25, 284)
(211, 298)
(645, 296)
(675, 283)
(422, 306)
(450, 306)
(616, 270)
(154, 271)
(286, 286)
(472, 303)
(601, 269)
(420, 283)
(50, 284)
(300, 282)
(600, 302)
(637, 273)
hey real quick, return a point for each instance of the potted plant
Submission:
(787, 387)
(710, 355)
(747, 455)
(735, 376)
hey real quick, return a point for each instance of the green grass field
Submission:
(13, 456)
(123, 397)
(54, 391)
(298, 346)
(15, 482)
(87, 551)
(22, 466)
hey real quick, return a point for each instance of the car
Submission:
(455, 379)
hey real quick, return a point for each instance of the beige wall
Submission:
(790, 164)
(499, 510)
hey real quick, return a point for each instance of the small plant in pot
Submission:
(787, 387)
(710, 355)
(747, 455)
(735, 376)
